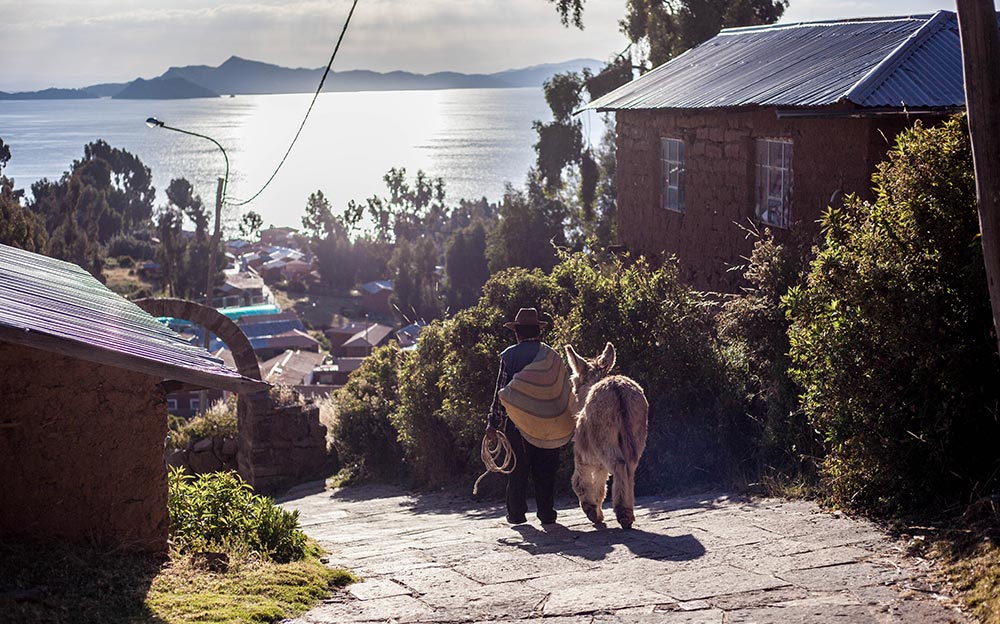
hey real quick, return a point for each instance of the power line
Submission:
(309, 110)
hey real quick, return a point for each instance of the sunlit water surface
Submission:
(476, 139)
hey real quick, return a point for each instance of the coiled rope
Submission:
(490, 454)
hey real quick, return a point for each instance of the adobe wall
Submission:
(81, 452)
(829, 155)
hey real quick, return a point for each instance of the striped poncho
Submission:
(539, 401)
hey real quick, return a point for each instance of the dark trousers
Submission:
(541, 464)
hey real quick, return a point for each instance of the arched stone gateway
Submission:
(215, 322)
(279, 445)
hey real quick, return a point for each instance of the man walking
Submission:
(531, 407)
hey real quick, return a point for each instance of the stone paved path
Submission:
(694, 560)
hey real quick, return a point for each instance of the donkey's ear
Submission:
(575, 361)
(607, 358)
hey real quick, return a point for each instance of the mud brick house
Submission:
(375, 298)
(766, 126)
(83, 376)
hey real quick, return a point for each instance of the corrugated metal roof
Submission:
(914, 61)
(57, 306)
(271, 328)
(370, 336)
(293, 339)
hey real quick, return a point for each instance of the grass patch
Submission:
(124, 281)
(971, 564)
(71, 584)
(254, 591)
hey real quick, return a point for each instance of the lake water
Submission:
(476, 139)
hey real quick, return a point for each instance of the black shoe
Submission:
(519, 519)
(547, 518)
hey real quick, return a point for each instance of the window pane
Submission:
(786, 161)
(774, 188)
(665, 149)
(774, 153)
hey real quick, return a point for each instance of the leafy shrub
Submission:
(662, 332)
(363, 433)
(891, 334)
(428, 443)
(132, 247)
(218, 511)
(446, 386)
(218, 421)
(753, 328)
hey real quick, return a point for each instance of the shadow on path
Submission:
(595, 545)
(451, 502)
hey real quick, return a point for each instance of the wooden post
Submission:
(216, 235)
(977, 25)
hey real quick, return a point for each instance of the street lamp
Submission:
(220, 193)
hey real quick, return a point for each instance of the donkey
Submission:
(611, 415)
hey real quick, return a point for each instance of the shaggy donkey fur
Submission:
(610, 435)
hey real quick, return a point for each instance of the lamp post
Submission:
(220, 193)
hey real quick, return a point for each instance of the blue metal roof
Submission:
(912, 61)
(271, 328)
(57, 306)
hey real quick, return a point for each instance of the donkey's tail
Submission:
(631, 431)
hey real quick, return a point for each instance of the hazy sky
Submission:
(73, 43)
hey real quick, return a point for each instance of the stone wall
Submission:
(207, 455)
(81, 452)
(280, 445)
(830, 156)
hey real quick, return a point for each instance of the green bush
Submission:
(363, 434)
(132, 247)
(218, 511)
(891, 334)
(753, 329)
(428, 443)
(662, 332)
(219, 420)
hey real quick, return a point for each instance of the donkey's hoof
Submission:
(626, 517)
(594, 513)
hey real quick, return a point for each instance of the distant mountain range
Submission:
(238, 76)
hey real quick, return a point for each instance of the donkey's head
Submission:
(587, 372)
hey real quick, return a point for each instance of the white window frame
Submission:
(773, 189)
(194, 405)
(171, 405)
(672, 174)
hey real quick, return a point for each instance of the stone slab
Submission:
(703, 559)
(601, 597)
(377, 588)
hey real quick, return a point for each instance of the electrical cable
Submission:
(319, 89)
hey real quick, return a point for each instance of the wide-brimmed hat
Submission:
(526, 316)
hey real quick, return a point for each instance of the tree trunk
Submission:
(977, 24)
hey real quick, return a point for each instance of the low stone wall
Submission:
(207, 455)
(278, 446)
(281, 445)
